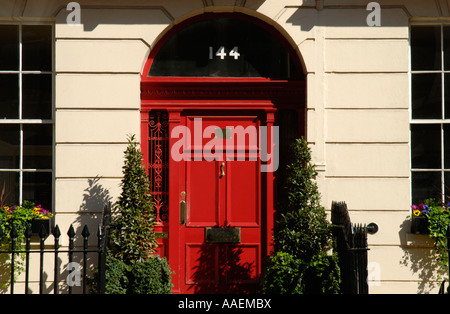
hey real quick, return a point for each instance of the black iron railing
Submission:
(45, 250)
(351, 246)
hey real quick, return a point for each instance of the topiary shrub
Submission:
(131, 263)
(131, 232)
(150, 276)
(302, 234)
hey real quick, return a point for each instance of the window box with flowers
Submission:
(438, 219)
(420, 223)
(19, 217)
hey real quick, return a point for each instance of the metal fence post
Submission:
(101, 261)
(56, 234)
(13, 235)
(27, 257)
(71, 234)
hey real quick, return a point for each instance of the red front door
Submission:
(220, 207)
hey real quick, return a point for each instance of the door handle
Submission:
(222, 170)
(182, 212)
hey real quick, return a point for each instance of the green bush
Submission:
(148, 276)
(283, 275)
(116, 273)
(302, 234)
(439, 218)
(151, 276)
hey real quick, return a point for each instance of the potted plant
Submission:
(420, 223)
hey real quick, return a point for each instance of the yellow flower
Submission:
(416, 212)
(9, 216)
(6, 208)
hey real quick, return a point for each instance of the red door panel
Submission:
(222, 268)
(202, 264)
(242, 264)
(243, 193)
(202, 194)
(222, 193)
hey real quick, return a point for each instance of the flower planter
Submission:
(36, 225)
(419, 225)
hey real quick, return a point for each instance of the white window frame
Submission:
(20, 121)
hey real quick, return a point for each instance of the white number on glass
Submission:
(234, 53)
(222, 54)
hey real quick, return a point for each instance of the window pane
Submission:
(9, 180)
(37, 47)
(425, 48)
(37, 146)
(426, 96)
(447, 47)
(37, 187)
(425, 185)
(9, 47)
(425, 146)
(37, 96)
(223, 47)
(447, 96)
(9, 96)
(447, 186)
(447, 146)
(9, 146)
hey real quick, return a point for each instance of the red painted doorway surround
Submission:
(215, 212)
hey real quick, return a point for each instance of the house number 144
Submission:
(222, 54)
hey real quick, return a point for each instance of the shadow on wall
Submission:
(421, 259)
(94, 15)
(333, 16)
(95, 197)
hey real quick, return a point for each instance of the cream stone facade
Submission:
(357, 96)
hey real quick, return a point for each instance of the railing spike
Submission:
(56, 232)
(85, 233)
(71, 232)
(42, 232)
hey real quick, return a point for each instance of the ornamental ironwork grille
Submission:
(159, 162)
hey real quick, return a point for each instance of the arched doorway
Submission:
(221, 96)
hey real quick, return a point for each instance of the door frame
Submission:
(175, 95)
